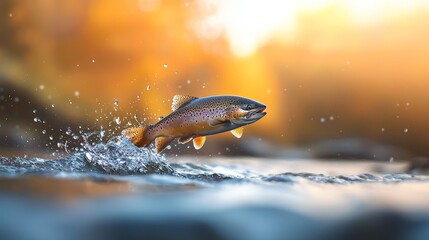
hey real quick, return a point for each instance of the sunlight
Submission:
(256, 21)
(247, 25)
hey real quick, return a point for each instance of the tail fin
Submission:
(137, 136)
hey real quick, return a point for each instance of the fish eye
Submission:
(248, 107)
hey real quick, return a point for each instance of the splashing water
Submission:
(120, 156)
(117, 156)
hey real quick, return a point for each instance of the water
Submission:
(111, 190)
(119, 157)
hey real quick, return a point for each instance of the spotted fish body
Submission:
(194, 118)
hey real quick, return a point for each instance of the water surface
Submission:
(115, 189)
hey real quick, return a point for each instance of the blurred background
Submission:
(341, 79)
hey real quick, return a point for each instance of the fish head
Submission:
(246, 111)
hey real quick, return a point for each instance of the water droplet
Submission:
(42, 87)
(36, 119)
(68, 131)
(51, 138)
(117, 120)
(93, 60)
(43, 131)
(405, 130)
(322, 120)
(165, 65)
(148, 87)
(88, 156)
(331, 118)
(188, 81)
(116, 102)
(168, 147)
(53, 105)
(76, 93)
(16, 99)
(391, 159)
(34, 111)
(383, 129)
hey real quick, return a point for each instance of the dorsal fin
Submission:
(180, 101)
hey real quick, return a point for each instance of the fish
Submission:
(195, 118)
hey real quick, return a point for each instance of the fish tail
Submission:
(138, 135)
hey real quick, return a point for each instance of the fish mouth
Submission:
(254, 115)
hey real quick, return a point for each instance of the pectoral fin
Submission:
(238, 132)
(162, 142)
(184, 140)
(199, 142)
(217, 122)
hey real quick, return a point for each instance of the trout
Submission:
(195, 118)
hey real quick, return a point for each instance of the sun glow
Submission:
(247, 25)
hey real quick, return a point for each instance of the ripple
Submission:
(119, 157)
(343, 179)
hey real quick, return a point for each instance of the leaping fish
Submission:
(195, 118)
